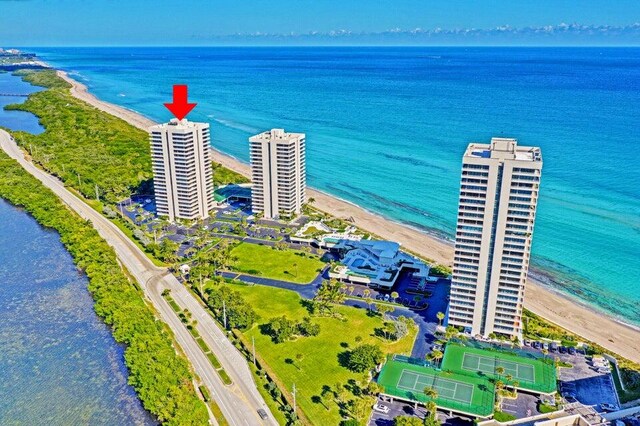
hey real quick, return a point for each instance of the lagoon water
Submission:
(386, 129)
(17, 120)
(59, 364)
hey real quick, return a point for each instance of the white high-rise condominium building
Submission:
(498, 198)
(278, 173)
(182, 172)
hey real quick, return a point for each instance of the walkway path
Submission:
(239, 402)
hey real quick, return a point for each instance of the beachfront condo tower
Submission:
(182, 172)
(278, 173)
(497, 209)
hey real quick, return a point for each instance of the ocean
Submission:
(386, 129)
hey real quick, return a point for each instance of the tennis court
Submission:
(464, 393)
(531, 373)
(489, 365)
(447, 389)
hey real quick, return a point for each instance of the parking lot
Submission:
(400, 408)
(585, 384)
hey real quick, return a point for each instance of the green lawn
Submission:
(287, 265)
(320, 365)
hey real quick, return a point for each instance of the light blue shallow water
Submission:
(386, 129)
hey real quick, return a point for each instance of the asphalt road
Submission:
(240, 401)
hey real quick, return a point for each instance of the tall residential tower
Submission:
(182, 172)
(278, 173)
(498, 198)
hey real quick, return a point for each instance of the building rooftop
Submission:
(176, 124)
(503, 149)
(278, 135)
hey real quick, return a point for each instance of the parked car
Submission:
(608, 407)
(562, 350)
(553, 347)
(386, 297)
(572, 351)
(263, 414)
(545, 346)
(535, 344)
(381, 408)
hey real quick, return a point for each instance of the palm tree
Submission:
(351, 289)
(431, 408)
(499, 371)
(434, 355)
(366, 292)
(440, 316)
(430, 393)
(394, 295)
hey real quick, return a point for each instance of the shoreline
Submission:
(550, 304)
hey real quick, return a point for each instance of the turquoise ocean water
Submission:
(386, 129)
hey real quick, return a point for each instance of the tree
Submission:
(401, 329)
(328, 294)
(308, 328)
(281, 329)
(360, 408)
(239, 313)
(435, 355)
(394, 295)
(351, 289)
(365, 357)
(384, 309)
(407, 421)
(299, 358)
(430, 392)
(432, 408)
(499, 371)
(440, 316)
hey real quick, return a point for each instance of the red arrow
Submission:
(180, 107)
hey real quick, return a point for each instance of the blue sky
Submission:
(196, 22)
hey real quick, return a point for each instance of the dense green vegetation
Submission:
(82, 145)
(326, 388)
(44, 78)
(224, 176)
(158, 374)
(502, 417)
(287, 264)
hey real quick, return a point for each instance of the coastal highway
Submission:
(238, 402)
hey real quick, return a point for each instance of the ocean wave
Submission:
(235, 125)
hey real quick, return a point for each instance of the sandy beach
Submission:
(582, 320)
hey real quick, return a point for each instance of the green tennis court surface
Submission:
(464, 393)
(489, 365)
(531, 373)
(447, 389)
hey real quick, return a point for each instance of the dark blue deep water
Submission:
(386, 129)
(59, 364)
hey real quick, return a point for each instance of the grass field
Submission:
(267, 262)
(531, 373)
(320, 364)
(467, 393)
